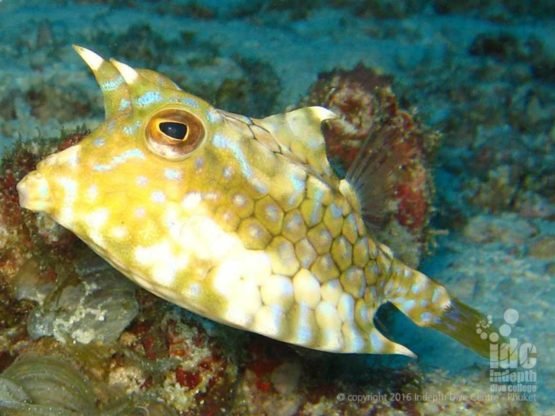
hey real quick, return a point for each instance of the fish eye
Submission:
(173, 134)
(177, 131)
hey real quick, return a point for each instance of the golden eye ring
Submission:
(173, 134)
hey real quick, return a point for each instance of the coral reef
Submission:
(501, 157)
(399, 149)
(481, 72)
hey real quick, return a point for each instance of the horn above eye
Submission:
(173, 134)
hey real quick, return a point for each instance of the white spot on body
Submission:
(173, 174)
(239, 200)
(190, 101)
(191, 200)
(141, 180)
(420, 283)
(213, 116)
(119, 160)
(223, 142)
(364, 315)
(376, 341)
(124, 104)
(211, 196)
(94, 222)
(307, 288)
(228, 172)
(238, 316)
(353, 340)
(304, 331)
(255, 230)
(149, 98)
(439, 294)
(158, 197)
(408, 305)
(119, 232)
(99, 142)
(277, 290)
(130, 129)
(112, 84)
(92, 193)
(97, 167)
(43, 190)
(140, 212)
(199, 163)
(69, 187)
(258, 184)
(161, 261)
(268, 320)
(346, 308)
(426, 318)
(96, 219)
(327, 317)
(194, 290)
(331, 291)
(244, 297)
(205, 239)
(68, 157)
(272, 212)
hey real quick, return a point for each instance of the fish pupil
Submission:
(174, 130)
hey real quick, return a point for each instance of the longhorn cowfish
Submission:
(238, 219)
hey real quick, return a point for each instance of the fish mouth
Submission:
(34, 192)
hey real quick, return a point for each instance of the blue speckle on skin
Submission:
(214, 116)
(128, 154)
(426, 317)
(99, 142)
(225, 143)
(124, 104)
(199, 163)
(304, 335)
(408, 305)
(142, 180)
(336, 211)
(172, 174)
(298, 187)
(102, 168)
(131, 129)
(318, 195)
(376, 341)
(259, 185)
(158, 196)
(119, 159)
(190, 102)
(149, 98)
(112, 84)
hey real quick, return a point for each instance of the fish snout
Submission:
(34, 192)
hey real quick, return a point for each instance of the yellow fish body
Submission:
(240, 220)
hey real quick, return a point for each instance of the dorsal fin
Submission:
(299, 135)
(372, 175)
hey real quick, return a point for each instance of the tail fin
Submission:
(466, 325)
(428, 304)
